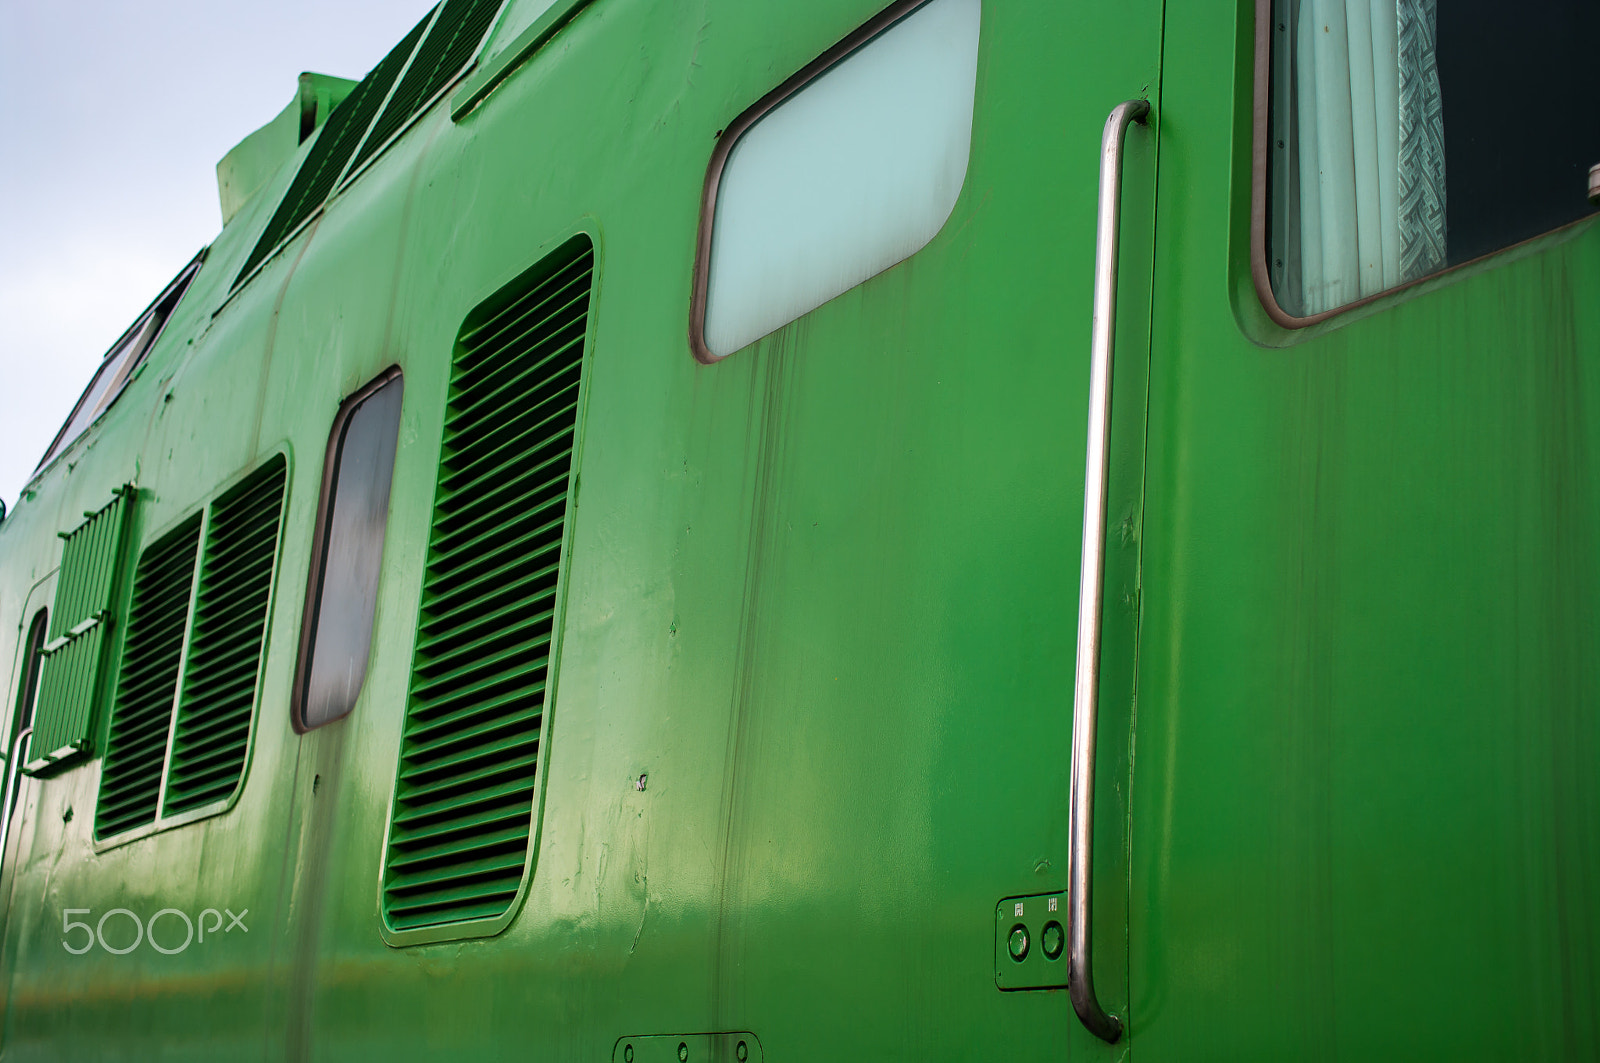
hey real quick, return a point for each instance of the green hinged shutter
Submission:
(465, 800)
(73, 670)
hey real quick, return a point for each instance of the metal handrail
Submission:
(12, 774)
(1091, 585)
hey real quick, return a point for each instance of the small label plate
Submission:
(1030, 942)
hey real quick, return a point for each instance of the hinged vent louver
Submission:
(453, 40)
(230, 618)
(465, 798)
(130, 785)
(76, 647)
(337, 141)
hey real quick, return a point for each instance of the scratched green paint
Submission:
(822, 596)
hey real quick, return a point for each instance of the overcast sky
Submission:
(118, 112)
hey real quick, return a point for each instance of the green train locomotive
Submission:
(730, 531)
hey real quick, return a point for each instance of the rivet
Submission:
(742, 1051)
(683, 1052)
(627, 1054)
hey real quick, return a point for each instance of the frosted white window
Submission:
(854, 172)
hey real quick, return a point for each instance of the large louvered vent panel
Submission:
(450, 43)
(339, 138)
(465, 797)
(141, 719)
(230, 618)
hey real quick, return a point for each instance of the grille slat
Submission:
(465, 791)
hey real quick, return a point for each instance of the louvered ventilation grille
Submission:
(451, 42)
(464, 798)
(340, 136)
(230, 616)
(136, 749)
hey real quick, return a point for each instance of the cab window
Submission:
(1409, 136)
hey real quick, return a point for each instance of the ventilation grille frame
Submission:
(465, 813)
(201, 530)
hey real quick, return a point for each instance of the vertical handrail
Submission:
(12, 774)
(1091, 584)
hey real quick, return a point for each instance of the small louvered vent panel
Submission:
(142, 717)
(230, 617)
(464, 799)
(450, 43)
(75, 651)
(339, 137)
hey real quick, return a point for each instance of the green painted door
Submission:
(1365, 805)
(896, 760)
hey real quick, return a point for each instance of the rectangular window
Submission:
(466, 793)
(849, 167)
(1407, 136)
(73, 671)
(347, 554)
(191, 661)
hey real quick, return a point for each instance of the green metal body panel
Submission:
(812, 706)
(1367, 806)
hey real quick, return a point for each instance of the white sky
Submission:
(117, 114)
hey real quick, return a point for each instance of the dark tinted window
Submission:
(342, 594)
(1521, 124)
(119, 363)
(28, 691)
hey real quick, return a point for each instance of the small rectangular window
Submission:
(849, 167)
(347, 554)
(1407, 136)
(28, 682)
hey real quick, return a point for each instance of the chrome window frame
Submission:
(728, 139)
(316, 573)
